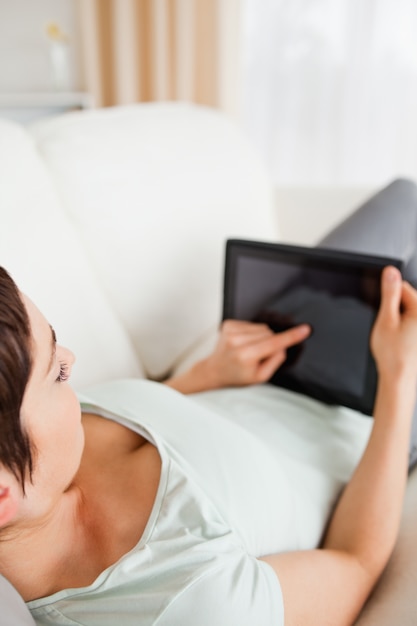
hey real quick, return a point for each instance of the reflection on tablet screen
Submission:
(335, 354)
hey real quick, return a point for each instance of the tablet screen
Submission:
(336, 293)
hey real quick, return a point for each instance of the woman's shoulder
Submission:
(106, 436)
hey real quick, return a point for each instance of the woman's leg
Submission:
(386, 225)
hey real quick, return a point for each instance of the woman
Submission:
(103, 519)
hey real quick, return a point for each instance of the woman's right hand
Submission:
(394, 335)
(246, 353)
(249, 353)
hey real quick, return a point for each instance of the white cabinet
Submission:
(29, 107)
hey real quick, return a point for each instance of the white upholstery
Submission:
(394, 600)
(13, 609)
(153, 193)
(42, 250)
(114, 222)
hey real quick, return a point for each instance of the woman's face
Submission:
(51, 414)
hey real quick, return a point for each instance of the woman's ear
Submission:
(9, 503)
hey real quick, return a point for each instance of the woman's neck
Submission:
(93, 523)
(33, 552)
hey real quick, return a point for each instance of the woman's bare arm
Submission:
(330, 585)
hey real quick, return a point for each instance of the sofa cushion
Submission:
(154, 190)
(13, 608)
(40, 248)
(393, 600)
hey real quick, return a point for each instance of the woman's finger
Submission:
(268, 367)
(240, 326)
(409, 298)
(237, 336)
(294, 335)
(391, 292)
(278, 342)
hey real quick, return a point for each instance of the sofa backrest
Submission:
(153, 191)
(114, 223)
(43, 251)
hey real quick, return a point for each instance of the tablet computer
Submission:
(337, 293)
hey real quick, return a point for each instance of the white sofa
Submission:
(114, 222)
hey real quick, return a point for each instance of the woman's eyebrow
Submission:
(53, 348)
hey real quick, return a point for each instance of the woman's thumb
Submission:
(391, 283)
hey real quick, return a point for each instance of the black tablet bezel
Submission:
(337, 261)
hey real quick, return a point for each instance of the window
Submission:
(330, 89)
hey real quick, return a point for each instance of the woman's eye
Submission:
(63, 373)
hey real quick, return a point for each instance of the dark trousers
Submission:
(385, 225)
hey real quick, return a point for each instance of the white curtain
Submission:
(330, 89)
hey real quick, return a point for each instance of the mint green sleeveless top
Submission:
(229, 492)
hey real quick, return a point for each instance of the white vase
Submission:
(60, 65)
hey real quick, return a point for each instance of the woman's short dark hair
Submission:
(15, 368)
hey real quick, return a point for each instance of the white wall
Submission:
(306, 214)
(24, 52)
